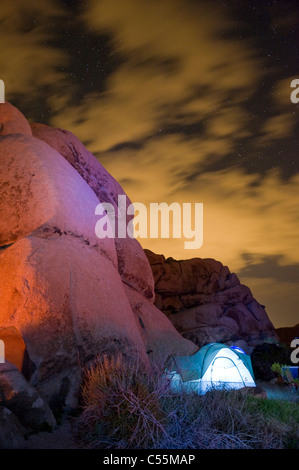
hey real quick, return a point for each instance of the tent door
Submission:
(224, 369)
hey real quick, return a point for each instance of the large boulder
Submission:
(207, 303)
(67, 295)
(58, 279)
(63, 302)
(40, 192)
(156, 330)
(11, 430)
(23, 400)
(65, 307)
(133, 265)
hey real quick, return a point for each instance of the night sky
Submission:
(181, 101)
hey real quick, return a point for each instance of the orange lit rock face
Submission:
(64, 302)
(15, 348)
(64, 289)
(12, 121)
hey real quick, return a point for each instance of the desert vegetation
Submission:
(281, 370)
(126, 406)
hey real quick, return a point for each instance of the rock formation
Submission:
(65, 294)
(207, 303)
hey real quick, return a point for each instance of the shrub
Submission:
(121, 404)
(262, 358)
(276, 367)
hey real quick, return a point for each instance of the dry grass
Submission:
(126, 407)
(122, 404)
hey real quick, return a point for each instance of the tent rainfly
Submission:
(215, 365)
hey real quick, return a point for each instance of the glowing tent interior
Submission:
(215, 365)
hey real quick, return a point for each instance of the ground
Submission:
(62, 438)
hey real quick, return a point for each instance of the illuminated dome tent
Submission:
(213, 366)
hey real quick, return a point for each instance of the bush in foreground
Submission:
(122, 404)
(125, 406)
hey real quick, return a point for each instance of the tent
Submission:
(215, 365)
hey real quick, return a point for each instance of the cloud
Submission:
(277, 127)
(279, 297)
(230, 121)
(175, 68)
(242, 212)
(29, 64)
(173, 106)
(270, 267)
(187, 33)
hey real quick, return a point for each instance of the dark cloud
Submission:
(270, 267)
(30, 67)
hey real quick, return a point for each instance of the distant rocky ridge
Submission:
(67, 296)
(207, 303)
